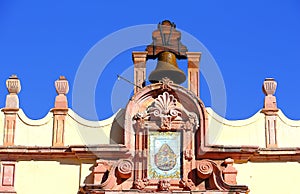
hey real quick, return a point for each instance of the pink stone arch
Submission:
(143, 98)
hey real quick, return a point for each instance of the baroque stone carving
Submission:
(209, 170)
(165, 108)
(166, 83)
(140, 184)
(164, 185)
(269, 86)
(62, 85)
(125, 168)
(204, 169)
(13, 85)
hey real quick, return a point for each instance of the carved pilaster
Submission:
(9, 126)
(193, 71)
(59, 119)
(270, 110)
(60, 111)
(139, 60)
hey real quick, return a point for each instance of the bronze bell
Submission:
(167, 67)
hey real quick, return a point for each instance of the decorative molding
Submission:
(91, 152)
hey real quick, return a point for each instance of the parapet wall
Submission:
(62, 143)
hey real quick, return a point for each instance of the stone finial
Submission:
(14, 87)
(62, 88)
(62, 85)
(13, 84)
(269, 86)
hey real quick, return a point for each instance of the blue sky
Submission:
(249, 40)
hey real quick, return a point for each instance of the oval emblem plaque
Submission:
(165, 158)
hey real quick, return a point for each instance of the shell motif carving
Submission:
(204, 169)
(164, 106)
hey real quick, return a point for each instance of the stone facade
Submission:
(165, 140)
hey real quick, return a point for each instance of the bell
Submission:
(167, 67)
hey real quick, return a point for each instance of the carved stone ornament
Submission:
(13, 84)
(204, 169)
(208, 170)
(62, 85)
(166, 83)
(165, 108)
(269, 86)
(125, 168)
(139, 119)
(140, 184)
(164, 185)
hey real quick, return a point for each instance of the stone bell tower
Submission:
(165, 129)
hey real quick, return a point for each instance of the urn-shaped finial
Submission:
(62, 85)
(13, 84)
(269, 86)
